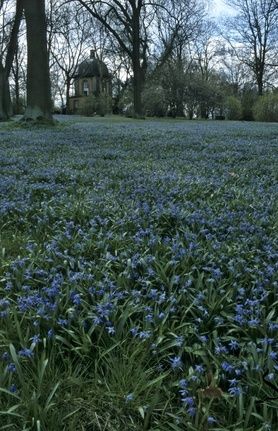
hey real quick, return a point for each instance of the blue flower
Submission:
(235, 391)
(179, 341)
(75, 298)
(143, 335)
(270, 377)
(176, 362)
(63, 322)
(5, 356)
(211, 420)
(192, 411)
(35, 339)
(134, 331)
(199, 369)
(129, 397)
(273, 356)
(234, 345)
(227, 367)
(13, 388)
(219, 349)
(233, 382)
(188, 401)
(50, 333)
(11, 368)
(26, 353)
(194, 378)
(183, 384)
(254, 323)
(110, 330)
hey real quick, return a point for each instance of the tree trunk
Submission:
(3, 110)
(137, 91)
(138, 78)
(5, 99)
(68, 83)
(39, 105)
(260, 83)
(16, 83)
(179, 103)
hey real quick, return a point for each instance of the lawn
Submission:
(139, 276)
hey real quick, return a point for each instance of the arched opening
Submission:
(86, 88)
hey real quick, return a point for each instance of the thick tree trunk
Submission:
(5, 99)
(39, 106)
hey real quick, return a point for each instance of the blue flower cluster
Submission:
(162, 233)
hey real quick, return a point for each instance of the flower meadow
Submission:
(139, 276)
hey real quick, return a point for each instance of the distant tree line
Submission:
(166, 57)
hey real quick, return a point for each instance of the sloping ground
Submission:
(138, 284)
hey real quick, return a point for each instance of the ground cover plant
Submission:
(138, 280)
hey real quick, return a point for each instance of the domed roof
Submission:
(92, 67)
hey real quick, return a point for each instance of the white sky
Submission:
(218, 8)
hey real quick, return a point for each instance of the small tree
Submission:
(266, 108)
(233, 109)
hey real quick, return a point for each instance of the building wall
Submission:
(94, 83)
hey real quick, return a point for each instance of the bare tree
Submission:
(253, 36)
(73, 36)
(236, 71)
(70, 41)
(203, 51)
(130, 22)
(179, 26)
(178, 23)
(126, 21)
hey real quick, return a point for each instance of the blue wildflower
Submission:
(129, 397)
(11, 368)
(235, 391)
(26, 353)
(234, 345)
(183, 383)
(273, 355)
(35, 339)
(13, 388)
(176, 362)
(211, 420)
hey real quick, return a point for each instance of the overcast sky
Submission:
(220, 8)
